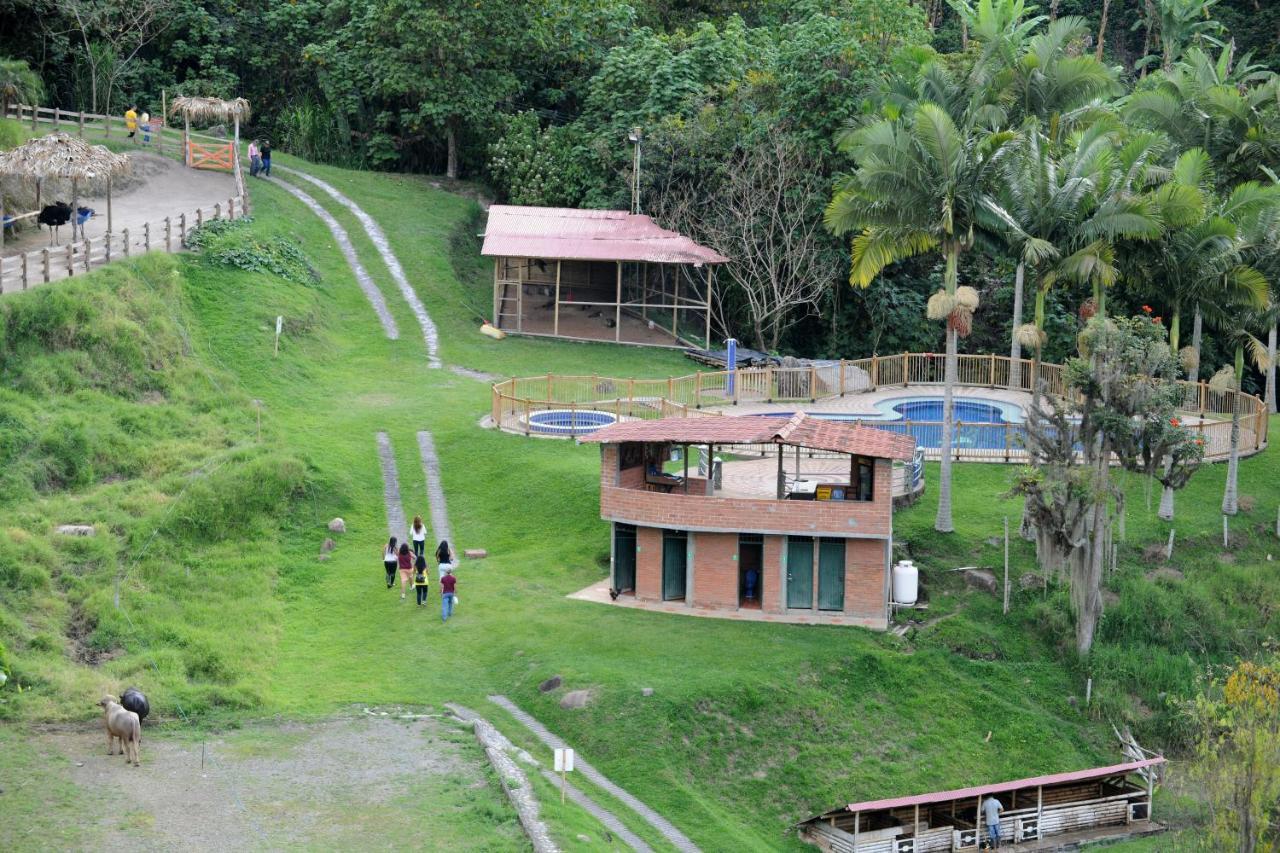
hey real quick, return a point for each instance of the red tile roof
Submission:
(587, 235)
(798, 430)
(999, 787)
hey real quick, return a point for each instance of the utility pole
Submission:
(634, 138)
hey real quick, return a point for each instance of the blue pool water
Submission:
(569, 421)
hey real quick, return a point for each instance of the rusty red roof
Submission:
(569, 234)
(798, 430)
(998, 787)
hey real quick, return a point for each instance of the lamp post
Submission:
(634, 138)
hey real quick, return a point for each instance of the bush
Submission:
(68, 453)
(231, 243)
(229, 501)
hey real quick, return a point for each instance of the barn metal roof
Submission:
(999, 787)
(797, 430)
(569, 234)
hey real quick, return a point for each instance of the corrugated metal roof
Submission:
(997, 788)
(799, 429)
(569, 234)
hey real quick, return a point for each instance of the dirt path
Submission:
(348, 251)
(397, 526)
(430, 335)
(346, 783)
(435, 491)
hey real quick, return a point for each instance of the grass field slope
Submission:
(147, 400)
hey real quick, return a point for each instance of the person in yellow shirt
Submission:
(421, 580)
(131, 120)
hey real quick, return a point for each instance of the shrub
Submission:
(68, 453)
(230, 500)
(230, 243)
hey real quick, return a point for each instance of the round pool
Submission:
(570, 422)
(979, 424)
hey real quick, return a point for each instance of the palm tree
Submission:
(18, 83)
(1230, 378)
(1180, 24)
(924, 181)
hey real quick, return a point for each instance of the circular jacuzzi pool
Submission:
(571, 422)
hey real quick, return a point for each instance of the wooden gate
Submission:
(217, 156)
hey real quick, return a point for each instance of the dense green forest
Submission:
(537, 99)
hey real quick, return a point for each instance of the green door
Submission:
(800, 573)
(674, 551)
(831, 574)
(624, 557)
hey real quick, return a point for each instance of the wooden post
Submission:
(685, 456)
(992, 383)
(617, 309)
(915, 826)
(71, 259)
(164, 119)
(108, 204)
(813, 384)
(231, 208)
(107, 245)
(906, 380)
(146, 236)
(1039, 811)
(496, 302)
(199, 216)
(1151, 791)
(168, 235)
(186, 139)
(856, 821)
(124, 232)
(45, 264)
(82, 125)
(1006, 564)
(57, 118)
(520, 271)
(675, 306)
(697, 390)
(782, 480)
(711, 470)
(35, 112)
(24, 271)
(182, 227)
(555, 322)
(977, 821)
(1, 223)
(88, 252)
(217, 210)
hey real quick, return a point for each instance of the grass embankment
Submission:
(750, 726)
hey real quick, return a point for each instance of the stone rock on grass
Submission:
(337, 526)
(475, 553)
(646, 691)
(327, 546)
(1167, 572)
(550, 684)
(980, 579)
(576, 699)
(1030, 580)
(76, 529)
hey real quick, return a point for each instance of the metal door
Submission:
(831, 574)
(674, 563)
(800, 573)
(624, 557)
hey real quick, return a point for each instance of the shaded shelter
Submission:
(209, 111)
(59, 155)
(602, 275)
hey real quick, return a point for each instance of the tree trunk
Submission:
(942, 523)
(1230, 504)
(1271, 369)
(1102, 29)
(1193, 375)
(1150, 12)
(1015, 346)
(451, 134)
(1166, 496)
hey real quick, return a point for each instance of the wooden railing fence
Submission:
(703, 393)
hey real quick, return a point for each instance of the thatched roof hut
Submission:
(210, 110)
(58, 155)
(61, 156)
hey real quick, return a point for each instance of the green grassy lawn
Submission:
(751, 726)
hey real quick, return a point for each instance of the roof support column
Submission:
(915, 825)
(711, 469)
(1039, 811)
(685, 456)
(617, 310)
(675, 307)
(520, 276)
(782, 479)
(497, 321)
(856, 821)
(555, 323)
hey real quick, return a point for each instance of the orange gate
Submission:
(210, 156)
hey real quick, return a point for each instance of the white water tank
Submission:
(906, 582)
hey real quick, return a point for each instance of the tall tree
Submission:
(924, 181)
(18, 83)
(113, 34)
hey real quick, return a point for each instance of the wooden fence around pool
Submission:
(709, 393)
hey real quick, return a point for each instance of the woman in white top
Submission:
(389, 561)
(419, 535)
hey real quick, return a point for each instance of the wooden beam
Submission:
(617, 311)
(782, 480)
(520, 277)
(497, 298)
(856, 821)
(915, 826)
(1039, 811)
(685, 455)
(711, 469)
(555, 323)
(707, 339)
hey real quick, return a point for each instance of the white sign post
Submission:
(279, 328)
(564, 764)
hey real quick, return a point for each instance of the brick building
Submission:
(792, 546)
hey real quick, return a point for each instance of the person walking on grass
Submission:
(389, 561)
(444, 557)
(419, 535)
(991, 809)
(144, 122)
(405, 560)
(131, 120)
(421, 580)
(448, 594)
(265, 153)
(255, 159)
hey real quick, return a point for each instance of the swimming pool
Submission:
(980, 424)
(570, 422)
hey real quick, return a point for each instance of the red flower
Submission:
(1146, 309)
(1157, 319)
(1175, 422)
(1200, 441)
